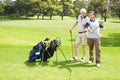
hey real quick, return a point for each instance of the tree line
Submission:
(28, 8)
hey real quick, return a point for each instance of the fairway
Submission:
(17, 37)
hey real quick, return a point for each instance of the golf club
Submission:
(71, 43)
(95, 33)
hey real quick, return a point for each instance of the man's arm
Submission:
(88, 27)
(71, 28)
(102, 31)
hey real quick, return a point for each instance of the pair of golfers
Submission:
(88, 31)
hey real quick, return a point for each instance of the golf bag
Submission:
(43, 50)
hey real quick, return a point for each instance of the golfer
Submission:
(93, 38)
(81, 35)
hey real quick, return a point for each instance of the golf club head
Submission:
(47, 39)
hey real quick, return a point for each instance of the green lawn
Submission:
(17, 37)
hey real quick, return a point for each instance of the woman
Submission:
(94, 38)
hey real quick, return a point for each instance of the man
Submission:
(81, 36)
(94, 37)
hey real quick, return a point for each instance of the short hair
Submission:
(92, 12)
(83, 10)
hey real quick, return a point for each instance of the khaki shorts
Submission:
(81, 38)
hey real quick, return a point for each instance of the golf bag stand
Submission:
(42, 59)
(62, 54)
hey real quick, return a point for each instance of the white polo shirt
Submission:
(80, 21)
(94, 26)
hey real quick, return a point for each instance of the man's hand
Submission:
(89, 30)
(70, 30)
(100, 34)
(83, 23)
(84, 26)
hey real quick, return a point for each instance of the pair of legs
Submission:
(91, 43)
(76, 49)
(81, 38)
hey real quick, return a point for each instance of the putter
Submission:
(71, 43)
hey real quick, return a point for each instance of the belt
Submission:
(82, 32)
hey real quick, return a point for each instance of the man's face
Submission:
(83, 14)
(91, 16)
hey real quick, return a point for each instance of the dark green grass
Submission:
(17, 37)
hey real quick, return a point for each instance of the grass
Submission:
(17, 37)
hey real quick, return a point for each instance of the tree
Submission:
(46, 8)
(99, 6)
(7, 2)
(115, 8)
(23, 7)
(52, 8)
(77, 6)
(66, 7)
(9, 10)
(1, 7)
(8, 7)
(40, 7)
(37, 6)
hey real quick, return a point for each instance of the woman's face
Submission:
(91, 16)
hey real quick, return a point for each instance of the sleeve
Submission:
(87, 24)
(101, 25)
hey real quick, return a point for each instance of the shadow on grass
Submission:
(61, 65)
(69, 65)
(34, 64)
(73, 40)
(115, 21)
(113, 40)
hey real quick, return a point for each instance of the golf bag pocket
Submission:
(36, 52)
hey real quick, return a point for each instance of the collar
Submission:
(84, 17)
(92, 20)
